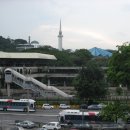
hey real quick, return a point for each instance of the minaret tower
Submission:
(60, 38)
(29, 41)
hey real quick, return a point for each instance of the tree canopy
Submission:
(82, 56)
(115, 110)
(20, 41)
(119, 66)
(6, 45)
(90, 82)
(66, 57)
(79, 57)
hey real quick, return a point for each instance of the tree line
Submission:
(68, 57)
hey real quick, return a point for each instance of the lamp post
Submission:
(28, 100)
(82, 116)
(26, 87)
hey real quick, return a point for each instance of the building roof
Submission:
(34, 42)
(21, 55)
(100, 52)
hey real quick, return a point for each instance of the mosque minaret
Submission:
(60, 38)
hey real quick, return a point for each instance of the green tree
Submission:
(6, 45)
(119, 90)
(119, 66)
(115, 110)
(82, 56)
(1, 94)
(101, 61)
(90, 83)
(63, 57)
(20, 41)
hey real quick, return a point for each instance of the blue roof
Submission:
(100, 52)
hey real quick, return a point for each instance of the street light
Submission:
(82, 116)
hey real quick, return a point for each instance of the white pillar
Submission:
(60, 43)
(64, 83)
(49, 82)
(8, 89)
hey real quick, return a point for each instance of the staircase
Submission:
(31, 83)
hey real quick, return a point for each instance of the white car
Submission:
(47, 106)
(52, 126)
(64, 106)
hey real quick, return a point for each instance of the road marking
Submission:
(28, 114)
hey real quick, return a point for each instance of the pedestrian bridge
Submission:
(12, 76)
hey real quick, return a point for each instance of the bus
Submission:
(25, 105)
(70, 117)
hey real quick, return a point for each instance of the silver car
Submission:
(26, 124)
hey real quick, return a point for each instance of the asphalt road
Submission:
(8, 119)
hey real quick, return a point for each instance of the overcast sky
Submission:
(85, 23)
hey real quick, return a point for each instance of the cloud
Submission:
(48, 35)
(86, 23)
(85, 32)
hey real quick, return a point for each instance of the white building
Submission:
(29, 45)
(35, 44)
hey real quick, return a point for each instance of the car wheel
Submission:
(70, 123)
(25, 109)
(55, 129)
(4, 109)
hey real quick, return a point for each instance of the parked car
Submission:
(64, 106)
(83, 106)
(47, 106)
(96, 106)
(26, 124)
(101, 105)
(52, 126)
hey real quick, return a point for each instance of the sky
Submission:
(85, 23)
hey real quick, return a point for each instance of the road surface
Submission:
(8, 119)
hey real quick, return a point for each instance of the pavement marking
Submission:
(28, 114)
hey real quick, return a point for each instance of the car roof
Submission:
(54, 122)
(27, 121)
